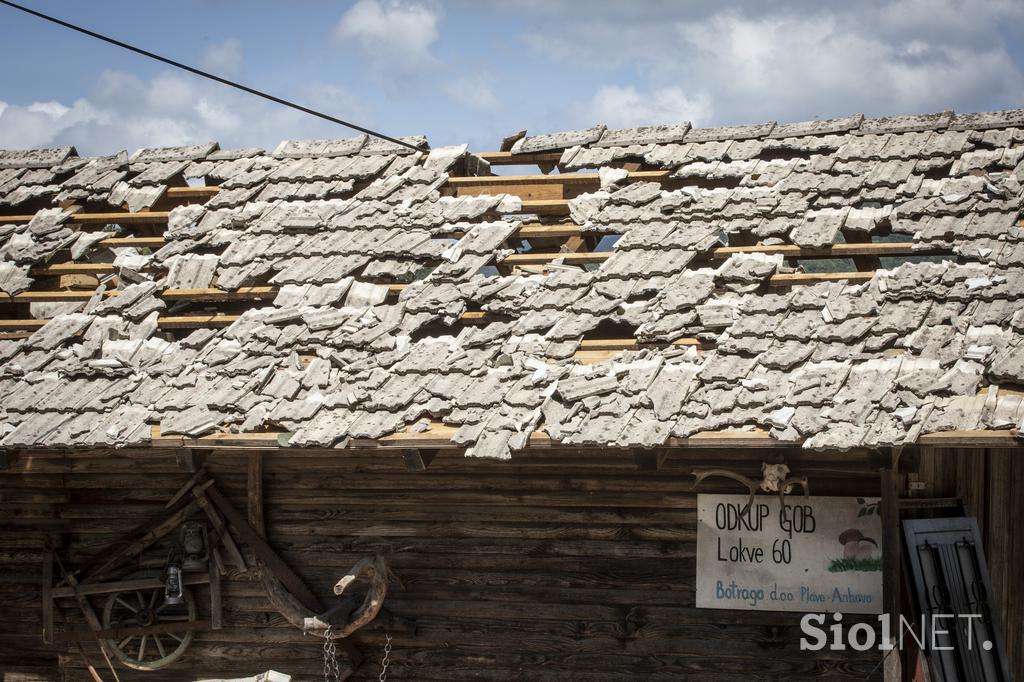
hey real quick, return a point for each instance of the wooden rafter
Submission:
(500, 182)
(119, 218)
(439, 436)
(510, 159)
(270, 292)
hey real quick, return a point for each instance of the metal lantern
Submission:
(193, 546)
(173, 584)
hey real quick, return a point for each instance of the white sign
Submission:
(819, 554)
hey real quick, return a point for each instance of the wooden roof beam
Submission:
(510, 159)
(269, 292)
(119, 218)
(439, 437)
(722, 252)
(499, 181)
(192, 192)
(543, 207)
(139, 242)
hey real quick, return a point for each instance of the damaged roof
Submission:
(332, 354)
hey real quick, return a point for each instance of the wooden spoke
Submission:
(128, 606)
(152, 651)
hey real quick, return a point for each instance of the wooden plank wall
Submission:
(557, 566)
(991, 484)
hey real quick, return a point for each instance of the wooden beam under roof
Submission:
(269, 292)
(439, 436)
(543, 207)
(788, 279)
(530, 258)
(500, 181)
(54, 269)
(211, 294)
(510, 159)
(723, 252)
(192, 192)
(542, 231)
(196, 321)
(627, 344)
(526, 231)
(51, 296)
(119, 218)
(139, 242)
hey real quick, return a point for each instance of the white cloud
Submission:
(799, 67)
(39, 123)
(799, 59)
(622, 107)
(395, 36)
(223, 59)
(474, 92)
(54, 110)
(125, 112)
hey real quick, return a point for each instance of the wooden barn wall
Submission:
(560, 566)
(991, 484)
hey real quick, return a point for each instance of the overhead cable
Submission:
(213, 77)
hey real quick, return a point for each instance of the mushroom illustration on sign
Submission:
(857, 546)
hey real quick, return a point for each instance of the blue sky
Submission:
(463, 71)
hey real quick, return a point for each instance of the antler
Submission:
(377, 572)
(375, 569)
(752, 485)
(796, 480)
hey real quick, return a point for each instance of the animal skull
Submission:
(772, 475)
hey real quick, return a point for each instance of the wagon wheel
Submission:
(145, 608)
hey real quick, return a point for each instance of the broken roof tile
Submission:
(624, 137)
(554, 141)
(736, 132)
(164, 154)
(817, 127)
(35, 158)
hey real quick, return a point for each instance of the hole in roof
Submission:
(701, 182)
(940, 173)
(607, 242)
(889, 262)
(782, 154)
(890, 237)
(518, 169)
(612, 330)
(522, 245)
(827, 265)
(741, 239)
